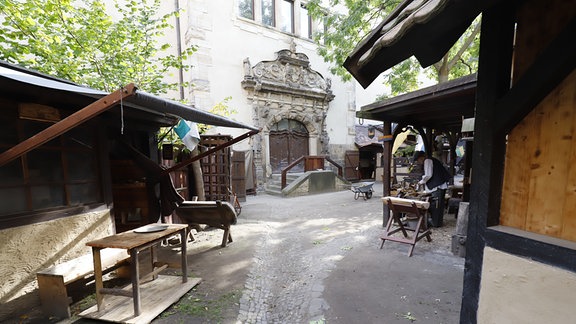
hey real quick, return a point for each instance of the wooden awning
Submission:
(17, 82)
(426, 29)
(441, 107)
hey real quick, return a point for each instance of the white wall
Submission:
(225, 40)
(31, 248)
(519, 290)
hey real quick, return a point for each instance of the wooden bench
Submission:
(52, 281)
(212, 213)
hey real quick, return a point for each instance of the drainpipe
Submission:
(179, 50)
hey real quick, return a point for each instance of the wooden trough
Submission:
(212, 213)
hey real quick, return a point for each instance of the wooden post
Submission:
(386, 166)
(496, 45)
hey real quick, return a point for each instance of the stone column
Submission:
(313, 144)
(266, 154)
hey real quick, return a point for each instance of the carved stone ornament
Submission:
(289, 73)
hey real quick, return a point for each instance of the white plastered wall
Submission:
(225, 40)
(25, 250)
(519, 290)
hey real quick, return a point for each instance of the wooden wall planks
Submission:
(539, 187)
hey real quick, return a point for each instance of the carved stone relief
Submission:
(287, 88)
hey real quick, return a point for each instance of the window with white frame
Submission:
(305, 22)
(246, 9)
(286, 15)
(290, 16)
(268, 13)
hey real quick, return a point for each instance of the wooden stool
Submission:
(417, 209)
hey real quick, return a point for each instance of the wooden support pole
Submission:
(77, 118)
(494, 70)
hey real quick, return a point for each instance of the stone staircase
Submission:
(274, 184)
(307, 183)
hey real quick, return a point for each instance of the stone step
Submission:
(274, 184)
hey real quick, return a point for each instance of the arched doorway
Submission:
(288, 142)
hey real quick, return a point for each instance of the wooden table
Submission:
(134, 241)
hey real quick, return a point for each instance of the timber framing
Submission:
(59, 128)
(504, 99)
(550, 68)
(489, 147)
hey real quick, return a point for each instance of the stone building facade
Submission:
(286, 89)
(259, 56)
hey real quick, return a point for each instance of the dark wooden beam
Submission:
(59, 128)
(526, 245)
(496, 42)
(551, 67)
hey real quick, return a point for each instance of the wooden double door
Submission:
(288, 142)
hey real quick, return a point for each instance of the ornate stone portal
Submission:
(286, 88)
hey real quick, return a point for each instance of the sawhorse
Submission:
(415, 208)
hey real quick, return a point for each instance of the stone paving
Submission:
(304, 240)
(316, 259)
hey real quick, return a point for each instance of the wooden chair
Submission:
(414, 209)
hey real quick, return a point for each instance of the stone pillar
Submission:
(266, 154)
(313, 145)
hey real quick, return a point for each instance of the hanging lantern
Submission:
(371, 132)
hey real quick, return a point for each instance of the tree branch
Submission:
(464, 46)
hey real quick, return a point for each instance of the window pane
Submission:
(304, 23)
(80, 166)
(297, 126)
(246, 8)
(79, 137)
(32, 128)
(286, 16)
(45, 166)
(268, 12)
(11, 173)
(8, 132)
(283, 125)
(13, 200)
(47, 196)
(84, 193)
(318, 26)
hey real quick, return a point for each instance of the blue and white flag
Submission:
(188, 133)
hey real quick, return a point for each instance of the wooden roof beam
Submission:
(59, 128)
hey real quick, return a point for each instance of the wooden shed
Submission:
(521, 249)
(77, 164)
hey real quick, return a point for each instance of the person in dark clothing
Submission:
(435, 180)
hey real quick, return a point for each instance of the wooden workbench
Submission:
(148, 295)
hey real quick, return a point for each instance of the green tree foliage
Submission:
(79, 41)
(349, 21)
